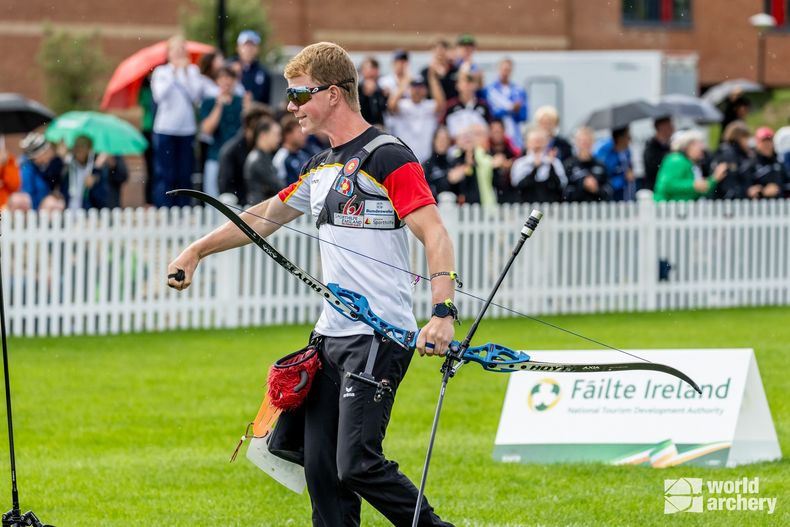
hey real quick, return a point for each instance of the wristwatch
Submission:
(445, 309)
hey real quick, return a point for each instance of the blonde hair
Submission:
(683, 139)
(547, 111)
(326, 63)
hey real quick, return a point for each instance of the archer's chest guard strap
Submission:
(347, 205)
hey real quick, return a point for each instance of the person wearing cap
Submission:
(465, 61)
(41, 169)
(254, 76)
(466, 51)
(508, 102)
(400, 70)
(414, 119)
(768, 175)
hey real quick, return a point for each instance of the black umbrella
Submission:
(19, 115)
(621, 115)
(688, 106)
(716, 94)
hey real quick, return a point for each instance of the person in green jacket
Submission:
(679, 176)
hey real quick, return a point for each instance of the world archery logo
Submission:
(544, 395)
(344, 186)
(682, 495)
(351, 166)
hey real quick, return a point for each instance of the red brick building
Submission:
(719, 30)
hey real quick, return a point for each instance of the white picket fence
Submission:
(104, 272)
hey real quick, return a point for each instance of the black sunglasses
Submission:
(300, 95)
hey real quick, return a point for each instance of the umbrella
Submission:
(782, 140)
(621, 115)
(19, 115)
(109, 134)
(718, 93)
(691, 107)
(124, 85)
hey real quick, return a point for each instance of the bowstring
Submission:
(418, 277)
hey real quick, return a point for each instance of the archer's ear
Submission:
(335, 95)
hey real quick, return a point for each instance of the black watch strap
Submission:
(445, 309)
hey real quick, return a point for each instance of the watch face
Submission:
(441, 310)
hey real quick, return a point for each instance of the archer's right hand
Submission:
(180, 270)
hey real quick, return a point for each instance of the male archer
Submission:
(361, 192)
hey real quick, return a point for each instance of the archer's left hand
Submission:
(436, 336)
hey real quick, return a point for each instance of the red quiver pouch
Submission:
(288, 383)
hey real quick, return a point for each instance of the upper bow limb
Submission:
(229, 236)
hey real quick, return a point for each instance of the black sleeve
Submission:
(574, 190)
(776, 175)
(271, 183)
(226, 177)
(119, 173)
(436, 176)
(253, 178)
(652, 158)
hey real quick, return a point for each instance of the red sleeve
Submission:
(407, 189)
(286, 193)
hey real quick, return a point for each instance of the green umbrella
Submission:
(109, 134)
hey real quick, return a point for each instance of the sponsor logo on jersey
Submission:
(379, 222)
(345, 186)
(351, 166)
(378, 208)
(351, 207)
(348, 220)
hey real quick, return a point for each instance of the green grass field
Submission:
(136, 430)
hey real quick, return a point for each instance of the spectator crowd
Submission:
(479, 141)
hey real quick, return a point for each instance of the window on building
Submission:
(779, 10)
(658, 12)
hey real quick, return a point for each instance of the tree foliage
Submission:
(199, 22)
(73, 66)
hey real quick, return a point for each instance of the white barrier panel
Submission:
(104, 272)
(640, 417)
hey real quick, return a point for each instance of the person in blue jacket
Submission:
(508, 103)
(616, 157)
(41, 168)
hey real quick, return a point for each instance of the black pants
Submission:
(344, 429)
